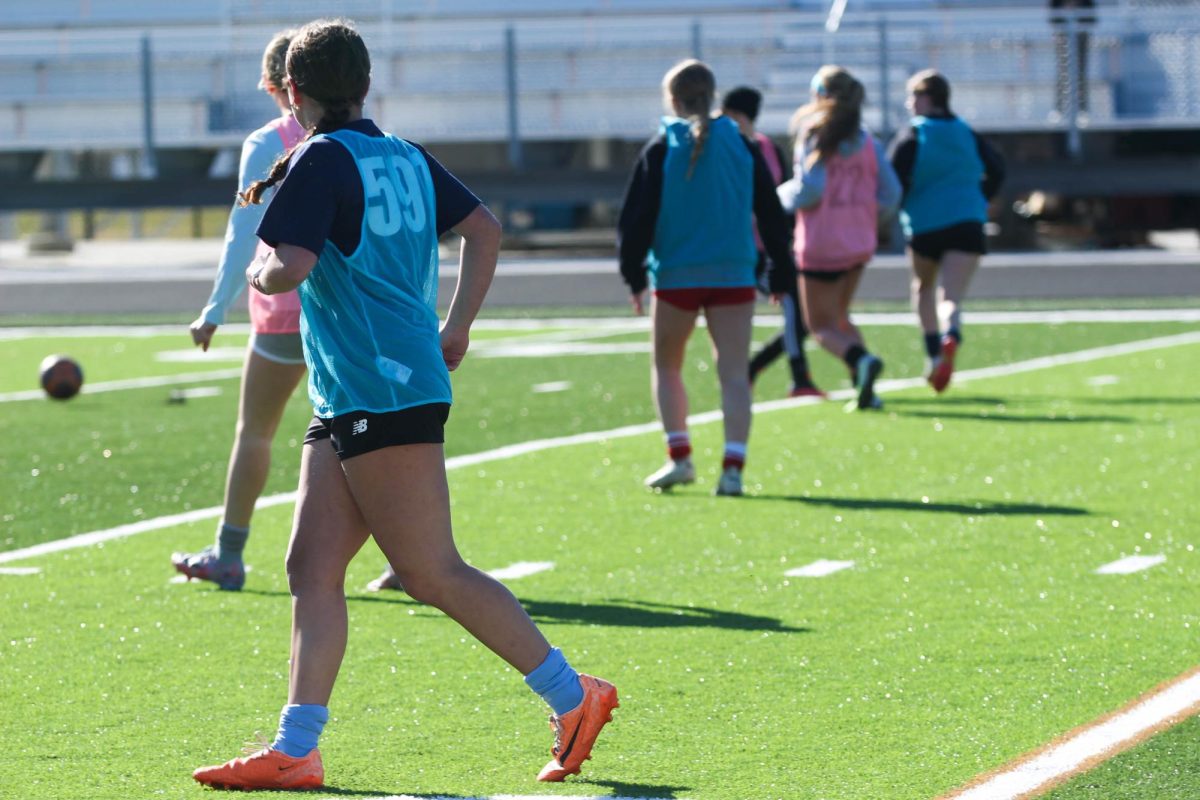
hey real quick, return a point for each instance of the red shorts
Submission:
(697, 298)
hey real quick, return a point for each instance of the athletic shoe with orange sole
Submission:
(266, 769)
(575, 732)
(943, 365)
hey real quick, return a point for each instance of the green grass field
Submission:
(971, 628)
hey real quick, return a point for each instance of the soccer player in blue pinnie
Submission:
(949, 173)
(354, 225)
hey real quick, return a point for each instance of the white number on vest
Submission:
(394, 198)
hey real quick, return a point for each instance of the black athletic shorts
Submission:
(965, 237)
(361, 432)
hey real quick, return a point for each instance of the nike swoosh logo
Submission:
(566, 751)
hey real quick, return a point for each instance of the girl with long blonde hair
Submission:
(685, 231)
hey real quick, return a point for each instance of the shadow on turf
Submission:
(1004, 416)
(623, 613)
(981, 508)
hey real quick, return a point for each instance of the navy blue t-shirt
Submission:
(324, 197)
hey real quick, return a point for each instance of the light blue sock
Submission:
(556, 682)
(231, 540)
(300, 727)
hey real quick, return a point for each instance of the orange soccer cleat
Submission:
(266, 769)
(575, 732)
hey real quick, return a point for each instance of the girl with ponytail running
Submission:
(354, 225)
(844, 187)
(686, 231)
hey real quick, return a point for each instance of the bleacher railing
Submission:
(581, 76)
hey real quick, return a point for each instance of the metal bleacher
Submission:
(70, 75)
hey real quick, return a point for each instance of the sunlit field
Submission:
(904, 600)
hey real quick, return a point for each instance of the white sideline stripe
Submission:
(1092, 744)
(198, 356)
(521, 569)
(133, 383)
(1130, 565)
(819, 569)
(552, 386)
(643, 323)
(593, 437)
(134, 528)
(20, 570)
(545, 348)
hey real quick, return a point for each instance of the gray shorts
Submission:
(282, 348)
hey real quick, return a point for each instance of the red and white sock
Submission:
(735, 455)
(679, 445)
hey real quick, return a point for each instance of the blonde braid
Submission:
(700, 128)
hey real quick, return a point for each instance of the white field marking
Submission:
(521, 569)
(20, 570)
(133, 383)
(514, 349)
(134, 528)
(547, 349)
(552, 386)
(199, 391)
(196, 355)
(1130, 564)
(1089, 745)
(1104, 380)
(819, 569)
(632, 323)
(594, 437)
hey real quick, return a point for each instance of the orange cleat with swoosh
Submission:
(266, 769)
(575, 732)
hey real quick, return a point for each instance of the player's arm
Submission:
(773, 227)
(993, 167)
(476, 268)
(240, 242)
(902, 152)
(639, 214)
(458, 210)
(283, 270)
(299, 218)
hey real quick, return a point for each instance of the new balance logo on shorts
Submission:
(359, 426)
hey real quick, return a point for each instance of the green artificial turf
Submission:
(971, 629)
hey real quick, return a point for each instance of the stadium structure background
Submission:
(542, 105)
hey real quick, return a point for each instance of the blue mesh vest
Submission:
(703, 236)
(369, 321)
(945, 187)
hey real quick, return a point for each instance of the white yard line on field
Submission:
(1130, 565)
(819, 569)
(1089, 745)
(551, 387)
(133, 383)
(631, 323)
(521, 569)
(593, 437)
(20, 570)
